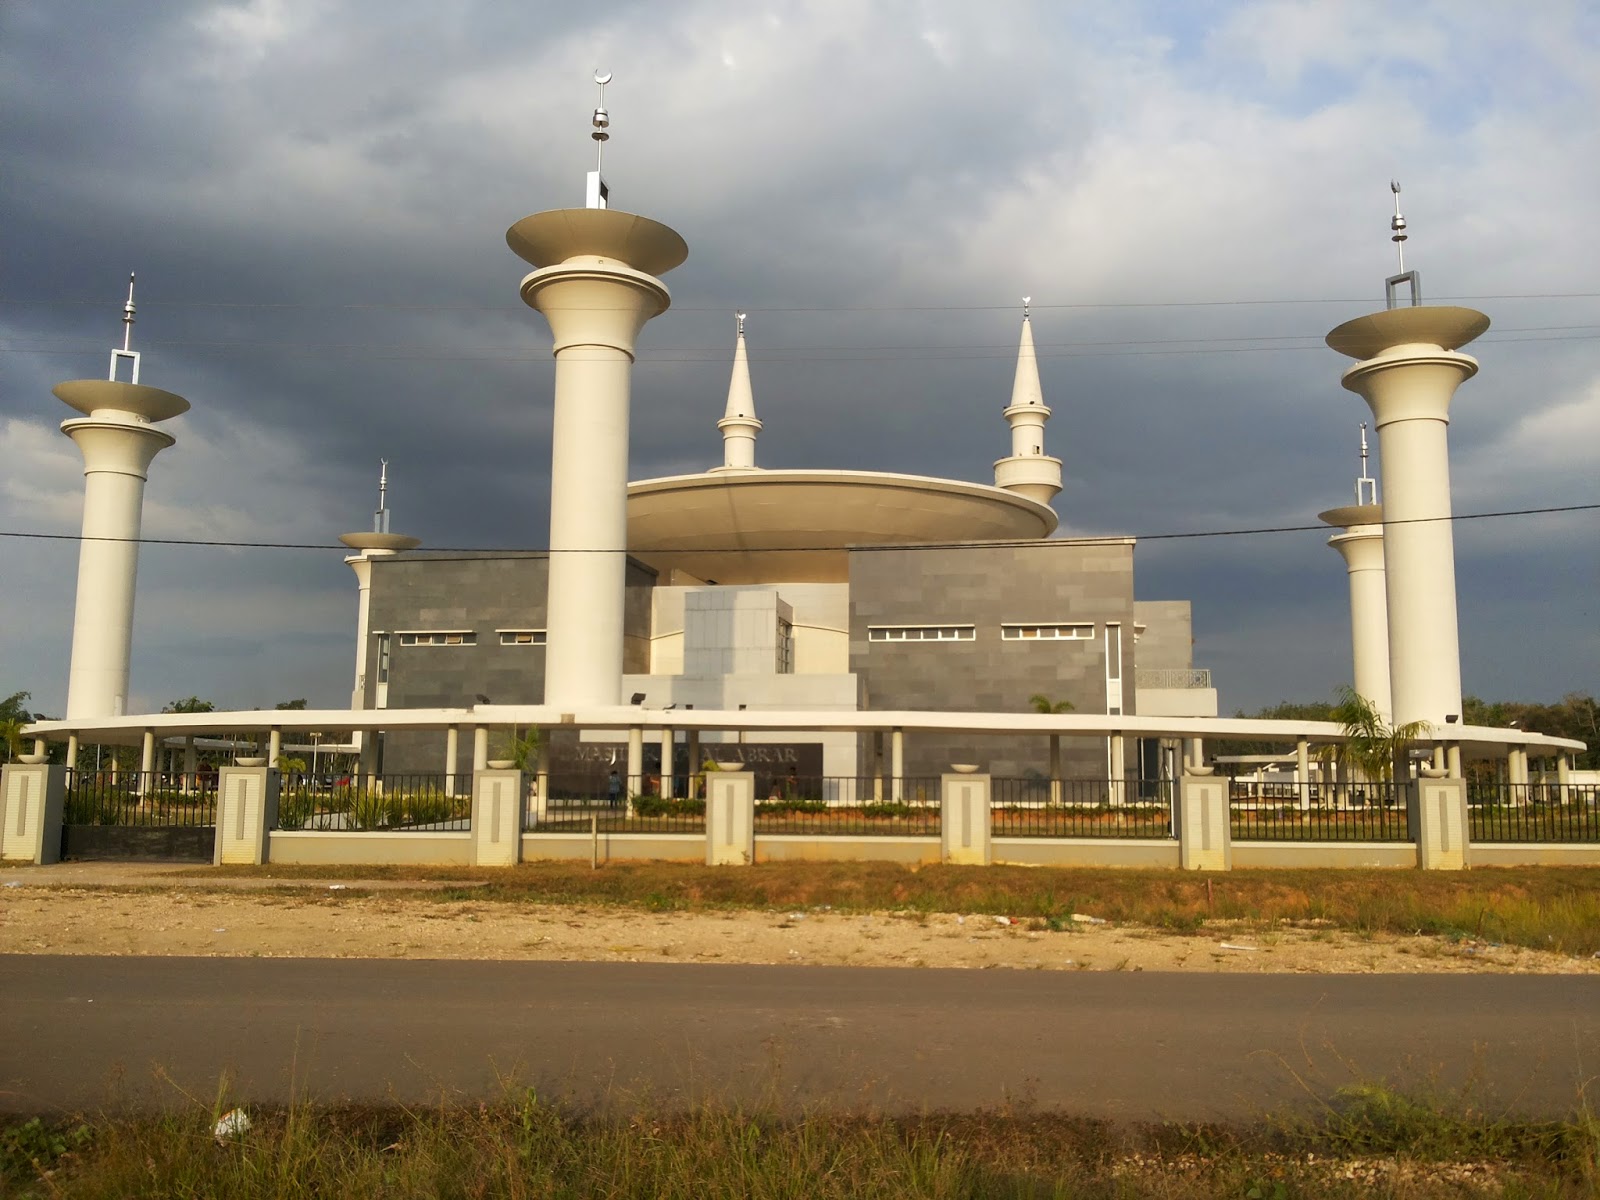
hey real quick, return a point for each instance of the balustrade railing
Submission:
(153, 799)
(1318, 812)
(1533, 812)
(376, 803)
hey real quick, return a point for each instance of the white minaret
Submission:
(380, 543)
(118, 440)
(739, 424)
(1029, 471)
(1407, 372)
(595, 282)
(1360, 543)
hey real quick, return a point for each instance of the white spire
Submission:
(1029, 471)
(1026, 389)
(127, 351)
(739, 424)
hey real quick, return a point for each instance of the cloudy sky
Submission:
(315, 194)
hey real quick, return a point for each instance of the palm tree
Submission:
(13, 720)
(1043, 704)
(1372, 746)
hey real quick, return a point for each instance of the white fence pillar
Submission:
(247, 813)
(1439, 823)
(964, 819)
(31, 798)
(1205, 841)
(496, 818)
(730, 818)
(667, 742)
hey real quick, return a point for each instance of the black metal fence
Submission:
(849, 806)
(1082, 808)
(583, 814)
(147, 799)
(1312, 812)
(1533, 812)
(388, 803)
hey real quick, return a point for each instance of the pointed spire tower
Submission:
(1029, 471)
(1360, 543)
(118, 438)
(739, 424)
(380, 543)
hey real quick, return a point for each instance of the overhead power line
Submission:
(386, 306)
(943, 352)
(1142, 537)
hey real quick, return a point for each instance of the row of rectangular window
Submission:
(967, 633)
(508, 637)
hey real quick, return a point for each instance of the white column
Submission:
(1055, 768)
(480, 748)
(72, 752)
(897, 764)
(635, 761)
(116, 456)
(1118, 752)
(542, 779)
(666, 762)
(452, 750)
(1408, 373)
(274, 747)
(147, 760)
(593, 287)
(1361, 547)
(1302, 771)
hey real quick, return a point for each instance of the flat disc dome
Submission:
(90, 396)
(795, 526)
(547, 238)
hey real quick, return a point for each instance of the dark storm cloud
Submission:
(315, 196)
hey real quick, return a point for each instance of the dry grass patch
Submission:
(1547, 908)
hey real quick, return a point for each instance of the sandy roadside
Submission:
(361, 920)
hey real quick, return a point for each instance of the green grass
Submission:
(1547, 908)
(521, 1147)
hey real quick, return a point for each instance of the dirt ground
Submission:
(82, 909)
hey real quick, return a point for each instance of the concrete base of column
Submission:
(730, 818)
(496, 818)
(31, 799)
(964, 819)
(1204, 838)
(247, 813)
(1439, 823)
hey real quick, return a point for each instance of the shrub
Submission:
(655, 806)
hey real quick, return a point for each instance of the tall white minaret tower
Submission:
(1028, 471)
(118, 440)
(595, 282)
(1408, 370)
(739, 424)
(1360, 543)
(380, 543)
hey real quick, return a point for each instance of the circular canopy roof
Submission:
(563, 233)
(1442, 325)
(90, 396)
(793, 526)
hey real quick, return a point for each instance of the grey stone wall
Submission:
(986, 586)
(1168, 637)
(484, 594)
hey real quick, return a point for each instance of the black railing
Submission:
(600, 814)
(849, 806)
(149, 799)
(1081, 808)
(1533, 812)
(1317, 812)
(386, 803)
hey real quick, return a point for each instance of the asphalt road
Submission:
(90, 1033)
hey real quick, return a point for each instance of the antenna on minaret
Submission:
(1027, 302)
(599, 195)
(1366, 485)
(380, 519)
(1397, 226)
(127, 351)
(738, 318)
